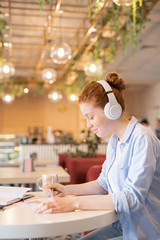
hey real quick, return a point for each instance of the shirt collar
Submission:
(131, 125)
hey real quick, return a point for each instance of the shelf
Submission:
(9, 147)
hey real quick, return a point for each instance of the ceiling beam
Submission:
(42, 16)
(38, 36)
(44, 10)
(37, 4)
(53, 27)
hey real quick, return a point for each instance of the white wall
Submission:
(151, 103)
(144, 103)
(134, 103)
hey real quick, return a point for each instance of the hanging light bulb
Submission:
(60, 53)
(49, 75)
(73, 97)
(93, 68)
(7, 69)
(26, 90)
(54, 96)
(8, 98)
(123, 2)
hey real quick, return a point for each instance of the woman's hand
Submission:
(58, 189)
(56, 205)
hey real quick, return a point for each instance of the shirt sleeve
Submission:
(102, 177)
(140, 175)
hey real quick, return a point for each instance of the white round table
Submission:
(18, 221)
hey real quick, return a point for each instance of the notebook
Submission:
(9, 195)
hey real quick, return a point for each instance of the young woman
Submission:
(130, 173)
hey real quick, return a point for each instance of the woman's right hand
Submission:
(58, 189)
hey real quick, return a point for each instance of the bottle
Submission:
(50, 136)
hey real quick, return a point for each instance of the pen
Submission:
(2, 208)
(52, 188)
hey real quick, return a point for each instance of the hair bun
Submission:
(115, 81)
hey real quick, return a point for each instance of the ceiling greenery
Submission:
(124, 24)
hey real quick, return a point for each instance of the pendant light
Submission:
(49, 75)
(26, 90)
(73, 97)
(61, 51)
(93, 68)
(7, 69)
(8, 98)
(54, 96)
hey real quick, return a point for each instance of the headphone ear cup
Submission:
(112, 109)
(112, 112)
(106, 110)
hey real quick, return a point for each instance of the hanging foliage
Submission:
(94, 7)
(3, 29)
(124, 30)
(16, 89)
(43, 3)
(39, 89)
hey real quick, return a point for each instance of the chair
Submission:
(78, 167)
(62, 159)
(93, 172)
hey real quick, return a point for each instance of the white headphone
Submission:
(112, 109)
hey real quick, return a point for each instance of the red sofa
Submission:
(62, 159)
(78, 167)
(93, 172)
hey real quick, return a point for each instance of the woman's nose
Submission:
(88, 124)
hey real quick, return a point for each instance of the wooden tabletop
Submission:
(13, 175)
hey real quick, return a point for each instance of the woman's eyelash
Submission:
(90, 118)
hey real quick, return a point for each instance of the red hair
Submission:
(94, 93)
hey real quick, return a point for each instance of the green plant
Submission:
(91, 141)
(17, 88)
(125, 25)
(120, 22)
(43, 3)
(3, 28)
(94, 7)
(39, 89)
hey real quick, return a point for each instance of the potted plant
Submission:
(78, 162)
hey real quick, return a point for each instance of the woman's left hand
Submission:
(56, 205)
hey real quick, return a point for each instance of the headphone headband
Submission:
(105, 85)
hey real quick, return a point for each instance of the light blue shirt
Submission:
(137, 199)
